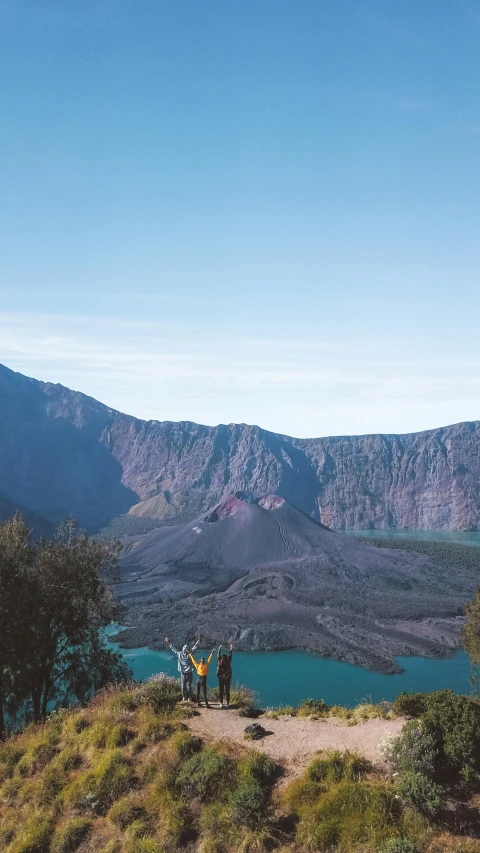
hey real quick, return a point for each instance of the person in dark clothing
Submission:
(224, 673)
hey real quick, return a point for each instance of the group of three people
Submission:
(186, 664)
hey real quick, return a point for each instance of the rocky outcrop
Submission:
(64, 453)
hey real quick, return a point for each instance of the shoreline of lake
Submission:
(460, 537)
(289, 677)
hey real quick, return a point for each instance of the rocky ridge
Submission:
(62, 452)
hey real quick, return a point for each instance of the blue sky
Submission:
(264, 212)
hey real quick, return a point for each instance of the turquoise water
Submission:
(285, 678)
(459, 536)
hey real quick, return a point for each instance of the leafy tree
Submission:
(16, 557)
(68, 658)
(471, 631)
(54, 610)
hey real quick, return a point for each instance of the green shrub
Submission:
(33, 836)
(349, 815)
(97, 789)
(207, 775)
(302, 793)
(421, 792)
(125, 811)
(161, 693)
(410, 704)
(444, 745)
(336, 767)
(314, 708)
(69, 835)
(250, 804)
(455, 722)
(257, 767)
(415, 750)
(331, 769)
(245, 700)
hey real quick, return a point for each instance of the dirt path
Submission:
(293, 741)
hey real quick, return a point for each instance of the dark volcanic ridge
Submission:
(63, 453)
(264, 575)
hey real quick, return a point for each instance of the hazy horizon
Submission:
(263, 213)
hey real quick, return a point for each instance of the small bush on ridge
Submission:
(207, 774)
(314, 708)
(419, 791)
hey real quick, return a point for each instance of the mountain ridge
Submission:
(63, 452)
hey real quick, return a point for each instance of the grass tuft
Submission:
(183, 745)
(97, 789)
(10, 754)
(126, 811)
(33, 835)
(206, 775)
(69, 835)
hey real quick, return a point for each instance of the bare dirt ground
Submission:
(294, 741)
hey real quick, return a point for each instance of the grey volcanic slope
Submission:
(265, 575)
(64, 453)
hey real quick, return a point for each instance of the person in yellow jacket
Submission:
(202, 672)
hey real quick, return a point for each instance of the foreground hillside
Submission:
(128, 774)
(62, 452)
(266, 576)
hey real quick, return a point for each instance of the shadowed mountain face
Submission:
(265, 575)
(64, 453)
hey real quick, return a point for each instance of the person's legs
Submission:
(205, 690)
(221, 686)
(198, 691)
(227, 690)
(183, 685)
(188, 684)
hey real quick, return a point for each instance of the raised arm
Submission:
(211, 655)
(193, 661)
(174, 650)
(196, 644)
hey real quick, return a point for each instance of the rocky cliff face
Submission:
(64, 453)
